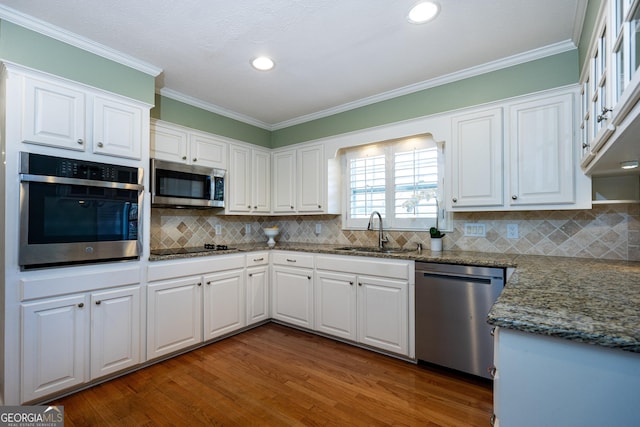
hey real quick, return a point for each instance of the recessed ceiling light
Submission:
(263, 63)
(629, 164)
(423, 12)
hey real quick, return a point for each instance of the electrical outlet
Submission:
(512, 231)
(475, 229)
(218, 228)
(247, 229)
(318, 228)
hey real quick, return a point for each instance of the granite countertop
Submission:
(580, 299)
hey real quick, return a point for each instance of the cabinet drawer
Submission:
(363, 265)
(257, 258)
(293, 259)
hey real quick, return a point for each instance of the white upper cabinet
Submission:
(610, 86)
(60, 114)
(117, 128)
(54, 115)
(249, 180)
(284, 181)
(541, 147)
(527, 161)
(184, 145)
(477, 159)
(311, 179)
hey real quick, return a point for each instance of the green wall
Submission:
(546, 73)
(34, 50)
(588, 27)
(183, 114)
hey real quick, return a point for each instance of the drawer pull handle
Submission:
(291, 260)
(258, 259)
(492, 371)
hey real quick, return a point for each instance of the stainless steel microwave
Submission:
(181, 185)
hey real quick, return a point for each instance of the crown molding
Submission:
(195, 102)
(510, 61)
(76, 40)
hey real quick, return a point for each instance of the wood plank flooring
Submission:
(277, 376)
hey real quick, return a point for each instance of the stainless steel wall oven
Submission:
(74, 211)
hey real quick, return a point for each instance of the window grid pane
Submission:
(367, 189)
(416, 183)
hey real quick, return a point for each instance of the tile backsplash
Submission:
(608, 231)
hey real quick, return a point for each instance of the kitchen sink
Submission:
(373, 249)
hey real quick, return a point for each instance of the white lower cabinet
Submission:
(174, 315)
(370, 310)
(70, 340)
(292, 288)
(224, 303)
(257, 288)
(192, 301)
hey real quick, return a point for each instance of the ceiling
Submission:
(331, 55)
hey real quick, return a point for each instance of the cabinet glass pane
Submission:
(620, 78)
(635, 39)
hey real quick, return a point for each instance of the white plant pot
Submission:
(436, 244)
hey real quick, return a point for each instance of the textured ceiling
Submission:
(330, 55)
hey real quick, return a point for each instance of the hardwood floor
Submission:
(277, 376)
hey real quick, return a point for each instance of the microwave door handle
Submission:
(24, 177)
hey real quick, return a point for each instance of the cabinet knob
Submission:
(98, 302)
(359, 283)
(514, 197)
(209, 282)
(255, 207)
(199, 284)
(309, 277)
(250, 274)
(184, 157)
(492, 420)
(81, 305)
(195, 159)
(585, 145)
(100, 144)
(319, 207)
(80, 141)
(351, 283)
(454, 200)
(248, 206)
(291, 207)
(492, 371)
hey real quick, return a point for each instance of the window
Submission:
(401, 179)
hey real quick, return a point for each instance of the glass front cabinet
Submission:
(610, 82)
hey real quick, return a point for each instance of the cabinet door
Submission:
(174, 315)
(292, 293)
(169, 143)
(54, 115)
(239, 179)
(310, 179)
(257, 294)
(54, 346)
(383, 313)
(115, 331)
(477, 160)
(224, 303)
(542, 156)
(284, 181)
(261, 179)
(207, 151)
(117, 128)
(335, 304)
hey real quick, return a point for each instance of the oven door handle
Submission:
(25, 177)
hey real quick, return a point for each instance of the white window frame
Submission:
(390, 222)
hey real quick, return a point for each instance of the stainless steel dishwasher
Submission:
(452, 303)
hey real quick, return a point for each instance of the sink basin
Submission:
(372, 249)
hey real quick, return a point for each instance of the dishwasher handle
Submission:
(458, 276)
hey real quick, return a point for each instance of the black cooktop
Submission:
(192, 250)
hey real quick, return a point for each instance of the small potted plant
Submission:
(436, 239)
(436, 234)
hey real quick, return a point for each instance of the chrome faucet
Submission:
(381, 240)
